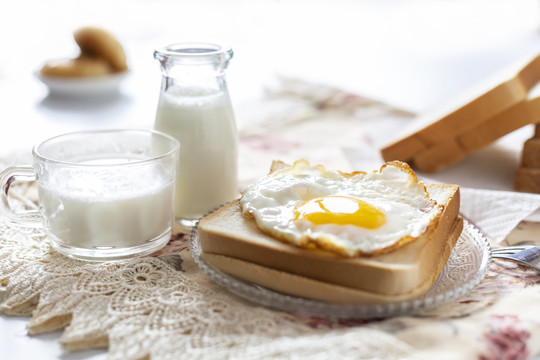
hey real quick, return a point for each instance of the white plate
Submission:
(466, 267)
(99, 86)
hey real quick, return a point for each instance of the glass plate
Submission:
(466, 267)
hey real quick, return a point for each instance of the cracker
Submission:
(97, 42)
(80, 67)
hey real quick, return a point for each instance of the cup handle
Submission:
(7, 177)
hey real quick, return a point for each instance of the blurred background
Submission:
(412, 54)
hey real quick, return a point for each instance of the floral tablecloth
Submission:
(164, 307)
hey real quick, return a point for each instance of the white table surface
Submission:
(413, 54)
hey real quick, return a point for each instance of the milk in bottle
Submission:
(195, 108)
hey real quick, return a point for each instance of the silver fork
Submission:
(525, 254)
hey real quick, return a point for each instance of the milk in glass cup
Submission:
(103, 195)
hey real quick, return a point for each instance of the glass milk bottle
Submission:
(195, 108)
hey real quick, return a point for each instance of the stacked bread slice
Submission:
(527, 177)
(475, 119)
(234, 244)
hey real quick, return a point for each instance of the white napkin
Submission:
(497, 213)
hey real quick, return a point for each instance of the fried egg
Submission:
(350, 214)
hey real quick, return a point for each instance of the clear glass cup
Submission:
(103, 195)
(195, 108)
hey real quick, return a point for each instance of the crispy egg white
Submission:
(356, 214)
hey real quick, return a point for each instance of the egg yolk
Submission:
(340, 210)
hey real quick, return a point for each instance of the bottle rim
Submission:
(194, 52)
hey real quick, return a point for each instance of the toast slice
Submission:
(504, 103)
(233, 243)
(475, 107)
